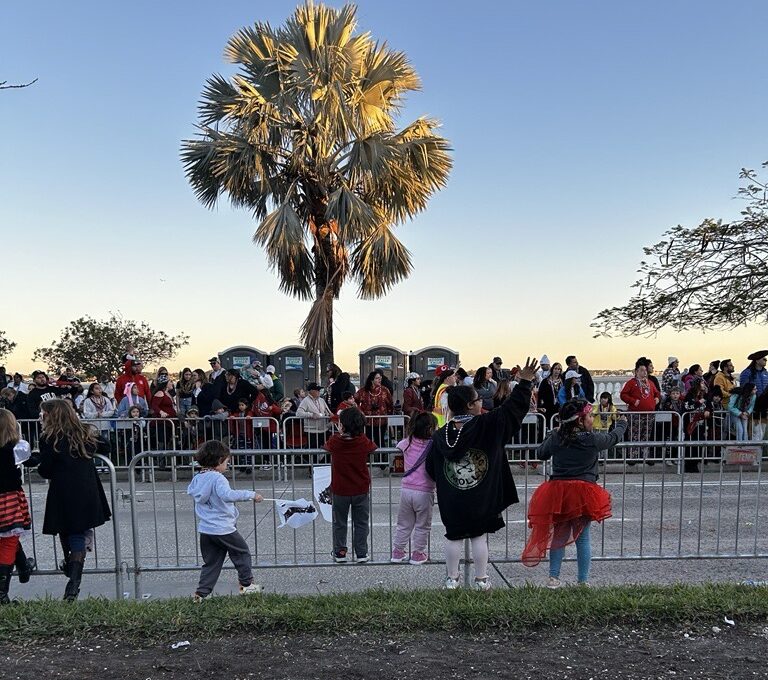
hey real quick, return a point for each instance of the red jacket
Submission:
(413, 404)
(127, 377)
(261, 408)
(370, 405)
(349, 464)
(633, 391)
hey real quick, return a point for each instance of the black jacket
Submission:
(10, 475)
(548, 399)
(37, 395)
(473, 479)
(587, 384)
(76, 500)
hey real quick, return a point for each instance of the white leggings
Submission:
(454, 549)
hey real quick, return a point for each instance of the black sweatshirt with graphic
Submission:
(473, 479)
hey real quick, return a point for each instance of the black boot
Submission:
(5, 582)
(24, 565)
(72, 590)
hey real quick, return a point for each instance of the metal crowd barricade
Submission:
(106, 556)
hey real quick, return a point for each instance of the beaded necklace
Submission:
(459, 419)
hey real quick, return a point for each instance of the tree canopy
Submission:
(93, 347)
(6, 346)
(713, 276)
(305, 136)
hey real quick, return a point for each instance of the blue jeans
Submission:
(583, 557)
(741, 429)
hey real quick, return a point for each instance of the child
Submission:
(192, 433)
(130, 431)
(350, 483)
(241, 426)
(604, 413)
(217, 514)
(15, 520)
(416, 494)
(472, 477)
(674, 401)
(347, 401)
(740, 406)
(562, 508)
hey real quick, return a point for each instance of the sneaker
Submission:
(199, 597)
(418, 558)
(482, 584)
(340, 555)
(451, 583)
(362, 558)
(251, 589)
(398, 556)
(584, 584)
(554, 583)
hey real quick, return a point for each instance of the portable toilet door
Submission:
(295, 367)
(242, 355)
(426, 360)
(391, 361)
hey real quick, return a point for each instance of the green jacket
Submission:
(277, 391)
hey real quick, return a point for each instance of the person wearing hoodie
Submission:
(217, 517)
(471, 472)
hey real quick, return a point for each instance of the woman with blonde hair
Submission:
(76, 502)
(15, 520)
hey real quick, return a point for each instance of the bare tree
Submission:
(713, 276)
(5, 86)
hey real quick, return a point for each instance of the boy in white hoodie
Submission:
(215, 508)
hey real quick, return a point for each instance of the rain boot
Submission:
(24, 565)
(5, 583)
(75, 561)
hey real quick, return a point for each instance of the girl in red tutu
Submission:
(562, 508)
(15, 520)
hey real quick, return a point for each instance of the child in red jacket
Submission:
(350, 483)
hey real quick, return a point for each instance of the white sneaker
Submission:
(482, 584)
(554, 583)
(253, 589)
(451, 583)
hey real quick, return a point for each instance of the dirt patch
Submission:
(714, 651)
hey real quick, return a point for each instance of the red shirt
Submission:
(349, 464)
(633, 391)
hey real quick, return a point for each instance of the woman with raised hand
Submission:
(468, 462)
(76, 502)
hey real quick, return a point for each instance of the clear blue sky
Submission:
(581, 132)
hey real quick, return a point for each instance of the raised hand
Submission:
(528, 372)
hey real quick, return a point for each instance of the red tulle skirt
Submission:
(558, 512)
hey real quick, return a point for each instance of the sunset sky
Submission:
(582, 131)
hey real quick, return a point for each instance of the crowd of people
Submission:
(457, 432)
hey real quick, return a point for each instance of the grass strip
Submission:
(382, 611)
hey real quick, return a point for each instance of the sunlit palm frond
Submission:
(282, 235)
(379, 262)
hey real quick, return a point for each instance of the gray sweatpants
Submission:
(214, 549)
(360, 512)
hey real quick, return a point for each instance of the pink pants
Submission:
(414, 516)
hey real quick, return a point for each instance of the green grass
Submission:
(385, 611)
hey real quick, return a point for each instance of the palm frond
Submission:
(379, 262)
(354, 217)
(281, 234)
(317, 329)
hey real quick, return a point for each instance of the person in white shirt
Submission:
(107, 386)
(545, 367)
(317, 414)
(216, 369)
(18, 383)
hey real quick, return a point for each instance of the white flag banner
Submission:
(321, 489)
(21, 452)
(296, 513)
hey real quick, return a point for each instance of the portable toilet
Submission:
(426, 360)
(295, 366)
(393, 363)
(242, 355)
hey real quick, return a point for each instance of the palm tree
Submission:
(304, 135)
